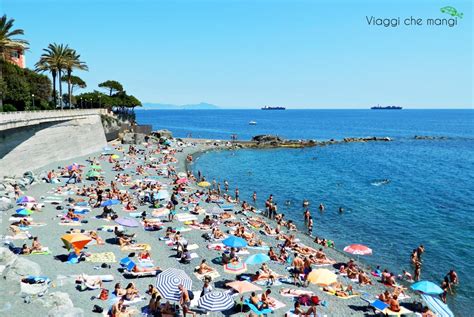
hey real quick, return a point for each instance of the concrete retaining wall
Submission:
(32, 147)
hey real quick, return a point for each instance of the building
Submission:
(17, 57)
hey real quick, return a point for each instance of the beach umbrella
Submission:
(115, 156)
(76, 241)
(127, 222)
(168, 281)
(72, 167)
(358, 249)
(216, 301)
(25, 199)
(427, 287)
(235, 242)
(243, 286)
(235, 268)
(162, 194)
(182, 180)
(95, 167)
(92, 174)
(258, 258)
(322, 277)
(23, 212)
(204, 184)
(110, 202)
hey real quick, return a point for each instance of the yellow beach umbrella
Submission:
(204, 184)
(76, 241)
(115, 156)
(322, 277)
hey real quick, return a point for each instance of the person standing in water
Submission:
(237, 194)
(306, 216)
(226, 186)
(417, 274)
(310, 226)
(321, 207)
(254, 198)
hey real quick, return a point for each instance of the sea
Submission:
(395, 195)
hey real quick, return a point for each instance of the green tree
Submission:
(54, 60)
(112, 85)
(8, 44)
(73, 61)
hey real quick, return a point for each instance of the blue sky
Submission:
(245, 54)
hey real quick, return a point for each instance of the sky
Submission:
(250, 53)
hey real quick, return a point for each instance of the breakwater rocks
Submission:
(272, 141)
(7, 188)
(429, 137)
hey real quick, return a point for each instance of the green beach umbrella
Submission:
(96, 167)
(92, 173)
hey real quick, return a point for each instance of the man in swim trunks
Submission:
(298, 268)
(185, 301)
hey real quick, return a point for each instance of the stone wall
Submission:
(32, 147)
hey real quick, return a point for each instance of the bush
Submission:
(7, 108)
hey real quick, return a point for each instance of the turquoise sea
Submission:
(428, 200)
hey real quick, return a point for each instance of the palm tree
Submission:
(72, 62)
(8, 43)
(54, 60)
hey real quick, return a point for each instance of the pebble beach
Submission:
(63, 297)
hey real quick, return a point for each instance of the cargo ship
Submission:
(273, 108)
(386, 108)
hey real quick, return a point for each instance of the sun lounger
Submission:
(255, 310)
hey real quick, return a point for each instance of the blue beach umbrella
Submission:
(23, 212)
(110, 202)
(235, 242)
(25, 199)
(168, 281)
(427, 287)
(258, 258)
(216, 301)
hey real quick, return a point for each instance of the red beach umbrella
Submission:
(358, 249)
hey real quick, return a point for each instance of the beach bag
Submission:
(104, 294)
(191, 295)
(97, 309)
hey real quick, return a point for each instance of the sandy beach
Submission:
(54, 266)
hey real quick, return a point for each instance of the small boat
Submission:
(253, 122)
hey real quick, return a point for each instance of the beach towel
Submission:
(185, 217)
(72, 223)
(19, 236)
(44, 251)
(110, 228)
(104, 257)
(183, 229)
(192, 247)
(334, 294)
(294, 292)
(437, 305)
(262, 247)
(266, 283)
(19, 218)
(276, 304)
(403, 311)
(136, 247)
(216, 246)
(214, 274)
(103, 278)
(291, 314)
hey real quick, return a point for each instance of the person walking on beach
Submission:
(219, 189)
(185, 301)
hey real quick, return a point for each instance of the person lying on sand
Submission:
(139, 269)
(96, 237)
(339, 290)
(93, 282)
(204, 268)
(36, 245)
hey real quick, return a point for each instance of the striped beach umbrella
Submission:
(358, 249)
(168, 281)
(216, 301)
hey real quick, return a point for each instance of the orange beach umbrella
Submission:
(243, 286)
(76, 241)
(322, 277)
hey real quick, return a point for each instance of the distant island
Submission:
(163, 106)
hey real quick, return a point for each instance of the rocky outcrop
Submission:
(162, 134)
(7, 191)
(266, 138)
(428, 137)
